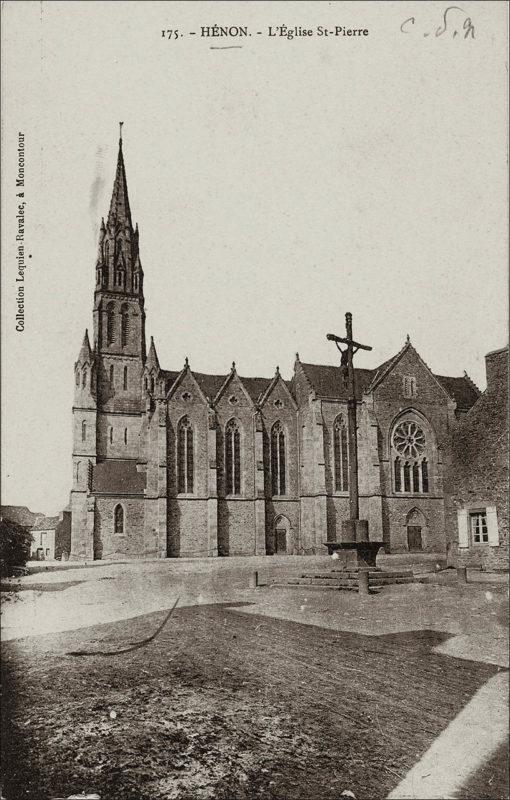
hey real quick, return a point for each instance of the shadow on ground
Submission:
(225, 705)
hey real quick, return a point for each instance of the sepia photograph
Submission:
(254, 531)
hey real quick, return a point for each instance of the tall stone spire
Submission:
(118, 267)
(120, 213)
(119, 315)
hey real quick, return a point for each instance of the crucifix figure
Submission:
(347, 368)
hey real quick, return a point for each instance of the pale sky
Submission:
(276, 187)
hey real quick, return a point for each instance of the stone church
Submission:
(177, 463)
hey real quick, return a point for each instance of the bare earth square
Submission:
(229, 701)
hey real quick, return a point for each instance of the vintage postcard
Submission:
(254, 521)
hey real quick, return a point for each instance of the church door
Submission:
(281, 541)
(414, 541)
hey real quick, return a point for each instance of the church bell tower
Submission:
(119, 313)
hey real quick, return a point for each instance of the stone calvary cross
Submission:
(354, 536)
(346, 363)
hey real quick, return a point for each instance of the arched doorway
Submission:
(416, 524)
(281, 536)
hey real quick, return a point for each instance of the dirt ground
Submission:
(265, 693)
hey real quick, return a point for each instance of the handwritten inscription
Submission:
(455, 23)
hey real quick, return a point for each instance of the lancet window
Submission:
(340, 456)
(185, 466)
(278, 460)
(232, 458)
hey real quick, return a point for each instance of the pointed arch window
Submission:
(185, 466)
(135, 281)
(340, 456)
(118, 519)
(84, 377)
(425, 476)
(124, 325)
(232, 458)
(398, 475)
(125, 435)
(77, 378)
(278, 464)
(111, 435)
(111, 375)
(83, 431)
(125, 379)
(410, 465)
(110, 323)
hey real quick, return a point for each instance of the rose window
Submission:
(409, 440)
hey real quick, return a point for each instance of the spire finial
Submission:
(408, 339)
(233, 366)
(186, 362)
(277, 371)
(120, 132)
(297, 356)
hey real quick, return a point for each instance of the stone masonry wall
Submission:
(130, 543)
(477, 468)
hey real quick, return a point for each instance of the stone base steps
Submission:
(348, 580)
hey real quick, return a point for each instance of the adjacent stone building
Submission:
(181, 463)
(477, 475)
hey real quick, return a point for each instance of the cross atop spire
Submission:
(120, 213)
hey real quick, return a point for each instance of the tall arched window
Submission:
(77, 377)
(110, 323)
(278, 466)
(232, 458)
(410, 465)
(118, 519)
(135, 281)
(124, 324)
(111, 374)
(125, 435)
(83, 431)
(125, 379)
(185, 457)
(341, 456)
(84, 377)
(111, 435)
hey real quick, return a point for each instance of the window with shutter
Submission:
(462, 523)
(492, 526)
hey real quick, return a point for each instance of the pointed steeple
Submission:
(152, 359)
(120, 213)
(86, 355)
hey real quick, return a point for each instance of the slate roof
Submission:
(462, 390)
(20, 515)
(211, 384)
(46, 524)
(120, 477)
(329, 381)
(255, 386)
